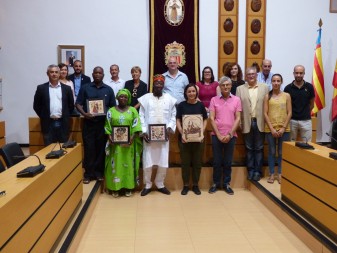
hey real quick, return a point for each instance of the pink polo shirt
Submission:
(225, 109)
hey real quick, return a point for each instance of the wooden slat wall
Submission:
(2, 133)
(36, 142)
(252, 37)
(231, 36)
(36, 137)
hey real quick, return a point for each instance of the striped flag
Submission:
(334, 96)
(318, 76)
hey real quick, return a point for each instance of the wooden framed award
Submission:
(157, 132)
(192, 125)
(120, 134)
(96, 106)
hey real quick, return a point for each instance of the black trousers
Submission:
(94, 140)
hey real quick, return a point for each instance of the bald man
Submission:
(302, 100)
(265, 75)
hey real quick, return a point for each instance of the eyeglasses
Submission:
(251, 74)
(134, 93)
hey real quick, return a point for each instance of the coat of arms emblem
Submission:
(174, 11)
(175, 50)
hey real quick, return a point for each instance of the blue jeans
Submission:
(254, 149)
(222, 163)
(272, 151)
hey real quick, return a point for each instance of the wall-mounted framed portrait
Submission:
(333, 6)
(68, 54)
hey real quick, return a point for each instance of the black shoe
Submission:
(250, 175)
(185, 190)
(86, 180)
(100, 179)
(228, 189)
(256, 176)
(213, 189)
(164, 190)
(196, 190)
(145, 191)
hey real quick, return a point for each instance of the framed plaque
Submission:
(96, 106)
(193, 126)
(157, 132)
(120, 134)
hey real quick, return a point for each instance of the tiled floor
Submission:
(206, 223)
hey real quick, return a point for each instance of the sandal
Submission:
(271, 179)
(279, 178)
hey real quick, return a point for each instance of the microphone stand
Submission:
(332, 155)
(30, 171)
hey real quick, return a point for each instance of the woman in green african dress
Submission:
(122, 160)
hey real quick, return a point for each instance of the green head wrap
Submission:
(125, 92)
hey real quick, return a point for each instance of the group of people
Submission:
(258, 107)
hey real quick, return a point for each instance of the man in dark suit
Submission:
(78, 78)
(53, 103)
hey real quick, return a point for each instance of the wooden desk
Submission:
(309, 185)
(35, 210)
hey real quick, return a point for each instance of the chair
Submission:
(12, 154)
(2, 167)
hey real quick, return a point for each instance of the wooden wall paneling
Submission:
(228, 10)
(256, 14)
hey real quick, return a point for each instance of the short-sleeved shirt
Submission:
(300, 100)
(206, 92)
(185, 108)
(225, 110)
(175, 85)
(91, 91)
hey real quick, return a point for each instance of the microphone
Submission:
(55, 154)
(69, 144)
(332, 155)
(30, 171)
(304, 145)
(332, 138)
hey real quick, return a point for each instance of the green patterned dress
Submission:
(122, 162)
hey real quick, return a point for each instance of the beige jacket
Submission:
(243, 94)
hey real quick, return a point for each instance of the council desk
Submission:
(35, 210)
(309, 185)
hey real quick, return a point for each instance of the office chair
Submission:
(12, 154)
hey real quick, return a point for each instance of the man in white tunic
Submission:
(156, 108)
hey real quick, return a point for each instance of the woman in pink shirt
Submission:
(207, 87)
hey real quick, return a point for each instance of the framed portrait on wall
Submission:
(333, 6)
(96, 107)
(67, 54)
(120, 134)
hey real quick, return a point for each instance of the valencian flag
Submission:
(334, 96)
(318, 75)
(174, 31)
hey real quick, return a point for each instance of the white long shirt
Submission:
(157, 110)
